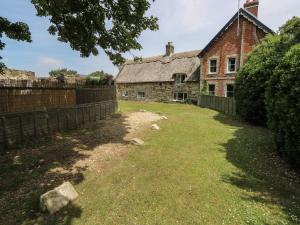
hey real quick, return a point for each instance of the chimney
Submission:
(252, 6)
(169, 49)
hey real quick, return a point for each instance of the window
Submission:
(179, 79)
(180, 96)
(229, 90)
(125, 94)
(140, 95)
(213, 66)
(212, 89)
(231, 65)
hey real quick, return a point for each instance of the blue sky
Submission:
(190, 24)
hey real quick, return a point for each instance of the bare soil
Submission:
(27, 173)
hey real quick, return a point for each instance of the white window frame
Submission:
(125, 94)
(179, 77)
(184, 98)
(138, 96)
(209, 65)
(226, 91)
(228, 65)
(209, 92)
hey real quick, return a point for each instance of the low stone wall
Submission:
(16, 128)
(158, 92)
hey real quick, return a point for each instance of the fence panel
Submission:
(88, 95)
(222, 104)
(16, 128)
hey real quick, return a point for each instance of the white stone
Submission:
(164, 117)
(155, 127)
(59, 197)
(137, 141)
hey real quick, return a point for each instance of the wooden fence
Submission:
(88, 95)
(16, 128)
(17, 99)
(222, 104)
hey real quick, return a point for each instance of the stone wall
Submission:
(158, 92)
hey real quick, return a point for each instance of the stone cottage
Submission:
(169, 77)
(184, 76)
(228, 50)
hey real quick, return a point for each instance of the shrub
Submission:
(99, 78)
(252, 79)
(283, 105)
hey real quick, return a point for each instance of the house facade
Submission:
(184, 76)
(169, 77)
(229, 49)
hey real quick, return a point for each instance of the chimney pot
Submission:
(252, 6)
(169, 49)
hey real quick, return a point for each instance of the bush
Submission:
(99, 78)
(252, 79)
(283, 105)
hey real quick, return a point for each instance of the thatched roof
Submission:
(10, 74)
(161, 68)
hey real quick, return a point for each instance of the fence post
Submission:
(21, 130)
(6, 143)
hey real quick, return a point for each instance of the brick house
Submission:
(183, 76)
(169, 77)
(228, 50)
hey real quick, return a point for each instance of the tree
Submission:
(88, 25)
(283, 105)
(64, 74)
(252, 78)
(18, 31)
(98, 78)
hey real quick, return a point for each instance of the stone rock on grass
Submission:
(155, 127)
(59, 197)
(137, 141)
(164, 117)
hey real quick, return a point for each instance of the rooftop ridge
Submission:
(164, 58)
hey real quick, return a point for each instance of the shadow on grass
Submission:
(267, 179)
(27, 173)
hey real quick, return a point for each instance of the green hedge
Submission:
(283, 105)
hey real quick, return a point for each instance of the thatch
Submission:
(10, 74)
(161, 68)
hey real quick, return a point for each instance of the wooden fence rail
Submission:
(18, 99)
(16, 128)
(222, 104)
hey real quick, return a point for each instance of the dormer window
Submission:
(179, 78)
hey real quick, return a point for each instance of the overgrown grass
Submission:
(201, 168)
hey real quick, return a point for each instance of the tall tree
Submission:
(87, 25)
(18, 31)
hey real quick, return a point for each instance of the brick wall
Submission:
(158, 92)
(229, 45)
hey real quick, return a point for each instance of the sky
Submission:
(189, 24)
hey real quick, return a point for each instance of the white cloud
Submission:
(49, 62)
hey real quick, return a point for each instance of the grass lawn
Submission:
(201, 168)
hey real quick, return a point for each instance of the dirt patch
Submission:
(27, 173)
(106, 155)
